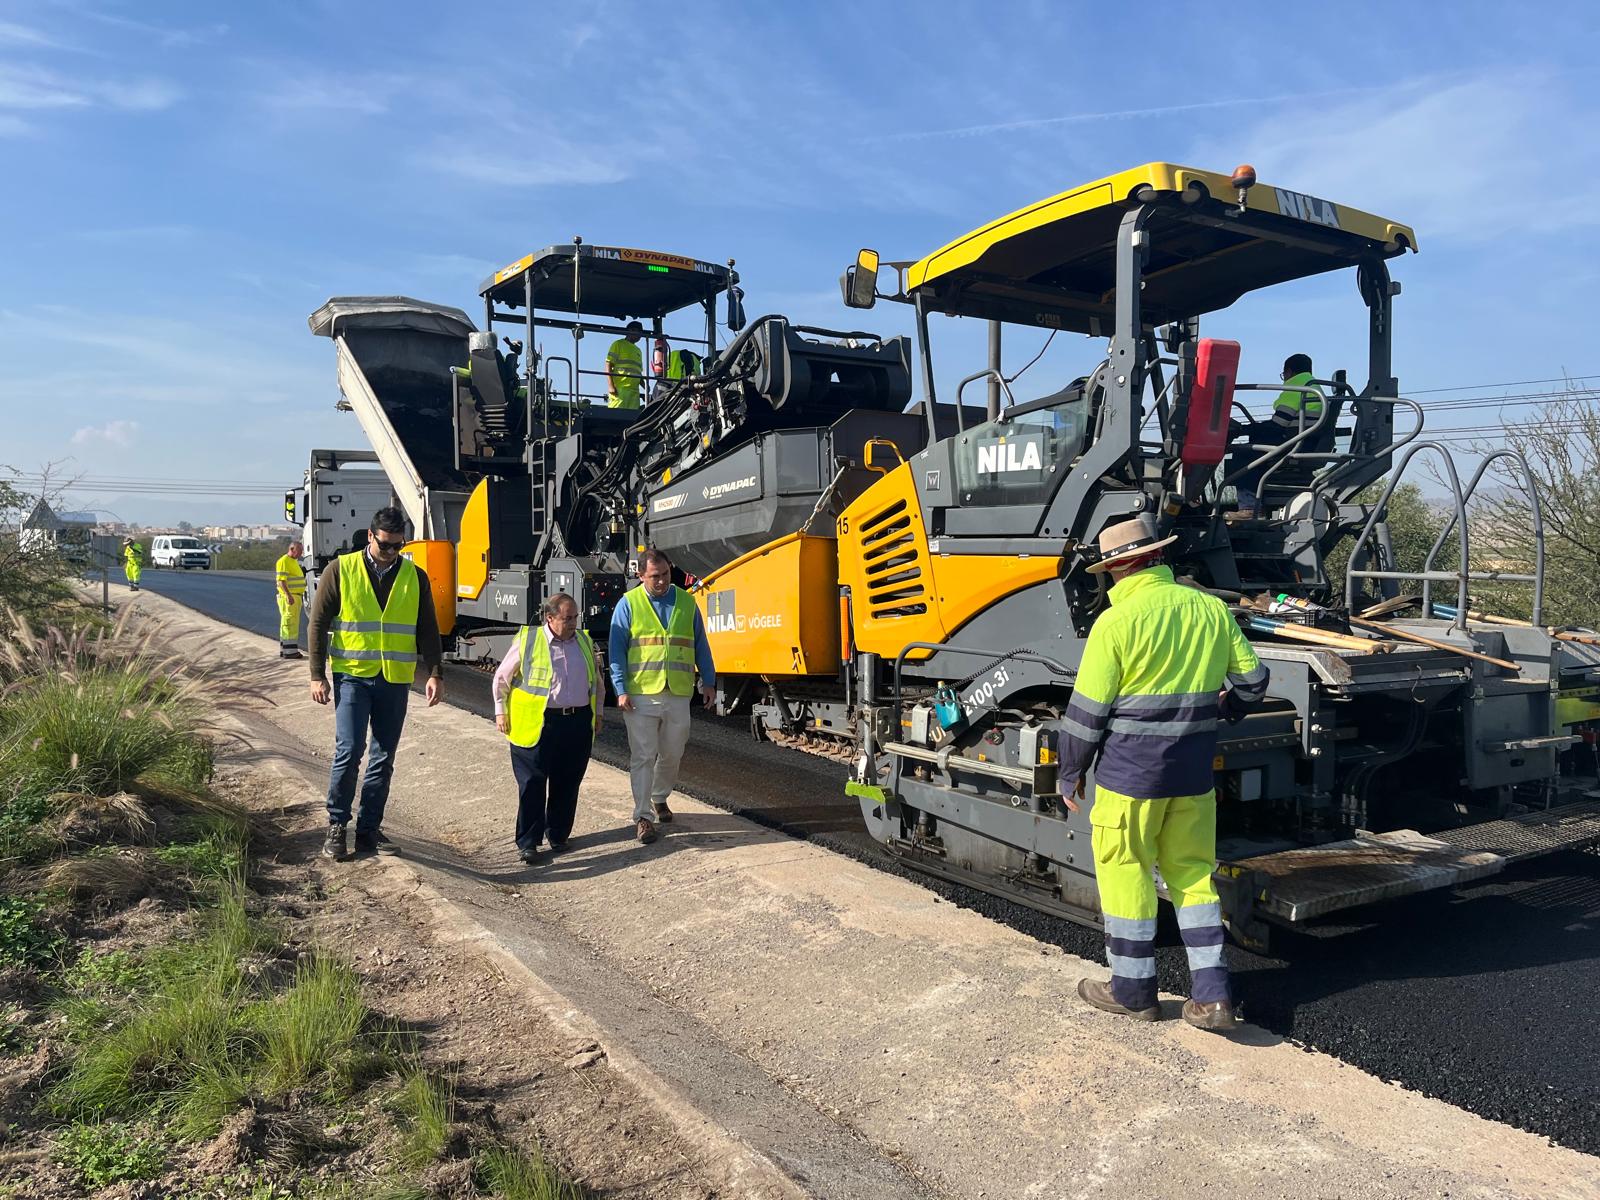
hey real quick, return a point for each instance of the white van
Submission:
(177, 550)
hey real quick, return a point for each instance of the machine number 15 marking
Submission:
(986, 690)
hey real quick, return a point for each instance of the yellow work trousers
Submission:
(1132, 839)
(289, 621)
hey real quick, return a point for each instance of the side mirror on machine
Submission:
(859, 283)
(735, 320)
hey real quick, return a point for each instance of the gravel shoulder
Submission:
(838, 1029)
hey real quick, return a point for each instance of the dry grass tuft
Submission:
(107, 880)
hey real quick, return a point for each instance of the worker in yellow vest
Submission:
(132, 562)
(291, 580)
(1162, 665)
(1296, 410)
(657, 643)
(372, 620)
(625, 368)
(547, 701)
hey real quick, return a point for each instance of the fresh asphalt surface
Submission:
(1488, 998)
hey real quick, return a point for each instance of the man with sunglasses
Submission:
(372, 620)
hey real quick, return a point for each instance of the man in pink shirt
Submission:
(547, 701)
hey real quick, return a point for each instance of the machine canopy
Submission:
(611, 281)
(1053, 263)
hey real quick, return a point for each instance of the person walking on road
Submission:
(657, 643)
(625, 368)
(547, 701)
(372, 619)
(1147, 698)
(291, 597)
(132, 562)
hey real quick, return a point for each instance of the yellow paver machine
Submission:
(935, 628)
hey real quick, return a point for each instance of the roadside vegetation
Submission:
(162, 1026)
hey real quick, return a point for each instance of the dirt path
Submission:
(788, 1011)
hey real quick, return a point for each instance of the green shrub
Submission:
(314, 1030)
(215, 857)
(200, 1029)
(97, 730)
(21, 839)
(25, 941)
(116, 973)
(426, 1109)
(105, 1154)
(513, 1175)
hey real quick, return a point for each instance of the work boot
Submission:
(334, 846)
(529, 855)
(663, 813)
(1216, 1016)
(374, 842)
(1098, 993)
(647, 831)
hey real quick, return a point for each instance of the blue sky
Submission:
(184, 183)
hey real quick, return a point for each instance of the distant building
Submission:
(44, 527)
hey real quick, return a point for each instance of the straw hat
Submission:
(1128, 539)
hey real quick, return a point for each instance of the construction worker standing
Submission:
(625, 368)
(547, 701)
(657, 642)
(1147, 699)
(372, 619)
(1297, 408)
(132, 562)
(291, 596)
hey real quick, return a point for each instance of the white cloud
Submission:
(364, 95)
(12, 34)
(1472, 157)
(553, 165)
(35, 88)
(112, 433)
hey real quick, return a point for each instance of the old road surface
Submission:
(1485, 998)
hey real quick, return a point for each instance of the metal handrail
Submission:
(1463, 573)
(1538, 535)
(973, 378)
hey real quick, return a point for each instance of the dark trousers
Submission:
(360, 704)
(548, 775)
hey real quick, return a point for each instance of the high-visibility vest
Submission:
(626, 361)
(366, 639)
(133, 555)
(291, 577)
(1148, 682)
(682, 363)
(537, 671)
(1289, 403)
(660, 659)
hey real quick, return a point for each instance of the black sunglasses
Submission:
(384, 547)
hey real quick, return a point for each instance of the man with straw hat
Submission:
(1146, 700)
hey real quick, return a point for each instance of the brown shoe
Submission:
(1098, 993)
(663, 813)
(647, 831)
(1216, 1016)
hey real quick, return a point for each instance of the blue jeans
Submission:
(360, 703)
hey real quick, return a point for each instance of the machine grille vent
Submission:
(893, 563)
